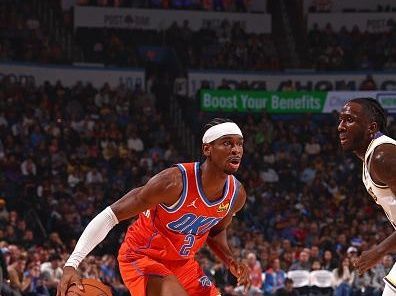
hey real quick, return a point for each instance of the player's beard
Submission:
(355, 142)
(229, 170)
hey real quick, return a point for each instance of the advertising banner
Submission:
(370, 22)
(335, 100)
(258, 101)
(70, 75)
(159, 19)
(301, 81)
(349, 5)
(287, 102)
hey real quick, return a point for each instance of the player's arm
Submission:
(383, 165)
(383, 169)
(217, 239)
(217, 242)
(165, 187)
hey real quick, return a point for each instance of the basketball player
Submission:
(179, 210)
(362, 125)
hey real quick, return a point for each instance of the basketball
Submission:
(92, 287)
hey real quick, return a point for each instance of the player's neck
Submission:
(360, 153)
(211, 176)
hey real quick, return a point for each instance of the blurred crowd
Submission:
(67, 152)
(352, 50)
(23, 38)
(221, 45)
(224, 45)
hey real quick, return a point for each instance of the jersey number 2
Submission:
(188, 243)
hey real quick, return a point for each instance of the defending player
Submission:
(179, 210)
(361, 130)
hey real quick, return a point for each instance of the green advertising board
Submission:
(258, 101)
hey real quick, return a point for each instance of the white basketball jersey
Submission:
(381, 194)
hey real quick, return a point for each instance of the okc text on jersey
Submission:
(193, 224)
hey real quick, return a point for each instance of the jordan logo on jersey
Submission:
(193, 203)
(223, 207)
(192, 224)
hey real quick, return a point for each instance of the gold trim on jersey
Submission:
(371, 192)
(390, 278)
(391, 281)
(372, 141)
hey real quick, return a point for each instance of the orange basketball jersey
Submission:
(178, 231)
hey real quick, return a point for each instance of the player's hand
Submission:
(69, 277)
(241, 272)
(367, 260)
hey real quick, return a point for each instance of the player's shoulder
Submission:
(241, 195)
(382, 153)
(239, 184)
(383, 162)
(170, 179)
(173, 170)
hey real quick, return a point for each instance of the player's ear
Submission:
(206, 149)
(373, 128)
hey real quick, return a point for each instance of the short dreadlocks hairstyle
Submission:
(375, 110)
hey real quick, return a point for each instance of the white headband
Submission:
(219, 130)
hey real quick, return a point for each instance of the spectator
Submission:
(288, 290)
(94, 176)
(274, 278)
(362, 284)
(3, 270)
(314, 252)
(92, 270)
(380, 271)
(135, 143)
(51, 272)
(28, 167)
(313, 147)
(302, 263)
(328, 261)
(19, 281)
(251, 291)
(255, 270)
(316, 265)
(37, 283)
(343, 278)
(4, 215)
(352, 252)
